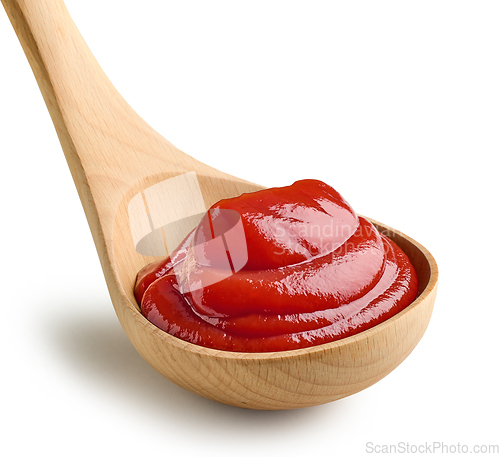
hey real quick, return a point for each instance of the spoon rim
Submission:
(311, 350)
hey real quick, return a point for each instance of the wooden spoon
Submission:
(114, 155)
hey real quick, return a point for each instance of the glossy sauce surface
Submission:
(278, 269)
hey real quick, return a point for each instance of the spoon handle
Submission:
(99, 132)
(108, 146)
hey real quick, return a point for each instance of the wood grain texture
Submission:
(113, 155)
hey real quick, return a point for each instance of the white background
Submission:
(396, 104)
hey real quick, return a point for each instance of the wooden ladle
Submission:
(113, 155)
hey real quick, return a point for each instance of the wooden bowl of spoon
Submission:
(113, 155)
(276, 380)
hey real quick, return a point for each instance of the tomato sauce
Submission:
(277, 269)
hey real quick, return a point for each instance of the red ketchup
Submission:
(278, 269)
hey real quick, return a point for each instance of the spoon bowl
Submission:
(287, 379)
(114, 156)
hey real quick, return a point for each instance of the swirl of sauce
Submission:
(278, 269)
